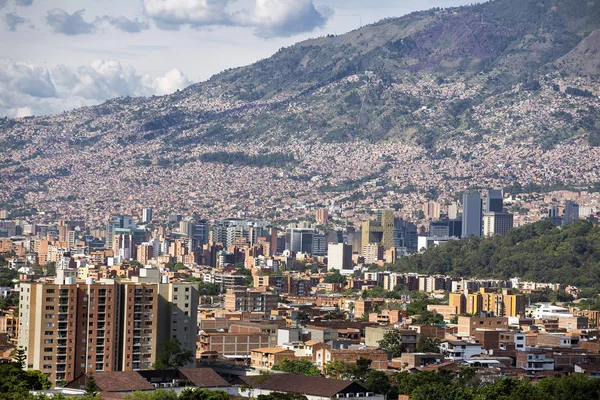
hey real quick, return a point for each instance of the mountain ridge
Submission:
(442, 86)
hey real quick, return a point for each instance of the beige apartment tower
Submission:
(73, 328)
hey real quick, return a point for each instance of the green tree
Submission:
(298, 367)
(337, 369)
(335, 277)
(335, 314)
(428, 344)
(203, 394)
(379, 382)
(359, 370)
(429, 318)
(303, 316)
(392, 343)
(91, 389)
(20, 358)
(172, 355)
(209, 289)
(153, 395)
(178, 266)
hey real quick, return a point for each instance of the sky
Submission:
(56, 55)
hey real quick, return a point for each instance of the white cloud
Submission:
(13, 20)
(270, 18)
(69, 24)
(285, 17)
(170, 14)
(124, 24)
(29, 89)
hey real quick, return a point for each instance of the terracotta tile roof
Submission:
(121, 381)
(271, 350)
(307, 385)
(203, 377)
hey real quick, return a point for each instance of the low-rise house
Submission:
(321, 333)
(313, 387)
(231, 345)
(417, 360)
(374, 334)
(458, 350)
(535, 360)
(267, 357)
(323, 356)
(121, 382)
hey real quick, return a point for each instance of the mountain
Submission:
(503, 93)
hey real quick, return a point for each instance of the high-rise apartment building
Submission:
(252, 300)
(339, 257)
(471, 220)
(322, 216)
(431, 210)
(71, 328)
(146, 215)
(497, 223)
(380, 230)
(373, 252)
(453, 210)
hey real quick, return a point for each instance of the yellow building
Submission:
(379, 231)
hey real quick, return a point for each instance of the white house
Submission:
(456, 350)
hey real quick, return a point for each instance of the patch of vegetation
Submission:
(275, 160)
(539, 252)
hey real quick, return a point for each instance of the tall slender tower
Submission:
(472, 216)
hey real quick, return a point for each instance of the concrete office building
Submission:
(494, 201)
(301, 240)
(571, 213)
(497, 223)
(471, 220)
(339, 257)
